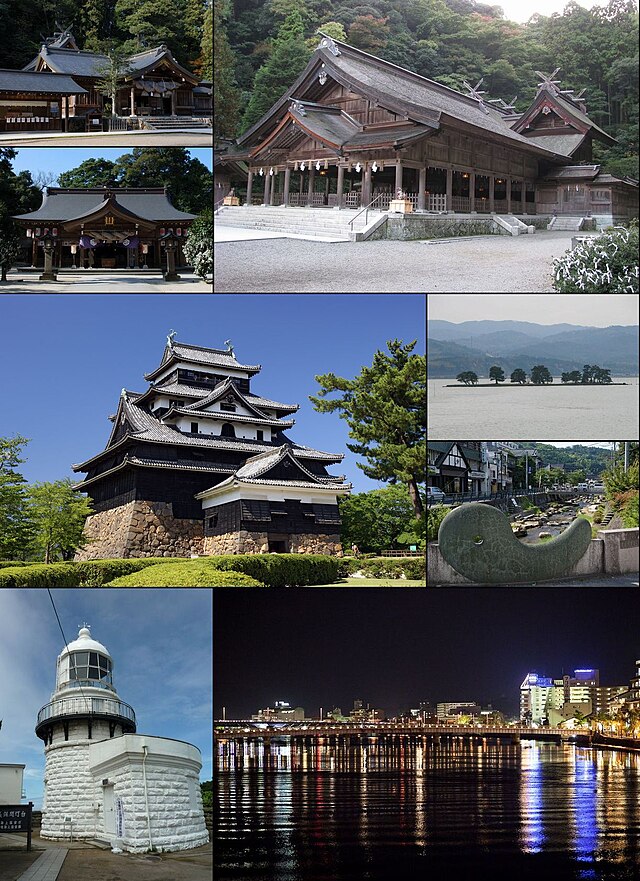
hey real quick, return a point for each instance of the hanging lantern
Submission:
(358, 166)
(295, 167)
(29, 233)
(374, 167)
(271, 170)
(74, 249)
(302, 166)
(261, 172)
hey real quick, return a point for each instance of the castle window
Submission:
(227, 430)
(194, 428)
(259, 434)
(212, 521)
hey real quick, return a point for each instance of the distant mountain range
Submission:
(478, 345)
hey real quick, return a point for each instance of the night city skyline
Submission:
(394, 649)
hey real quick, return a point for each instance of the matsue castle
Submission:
(356, 131)
(64, 83)
(104, 782)
(199, 463)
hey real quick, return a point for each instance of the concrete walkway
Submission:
(482, 264)
(47, 867)
(241, 234)
(87, 282)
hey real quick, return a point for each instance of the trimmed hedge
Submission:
(194, 573)
(13, 564)
(388, 567)
(283, 570)
(91, 573)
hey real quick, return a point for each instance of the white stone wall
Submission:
(69, 785)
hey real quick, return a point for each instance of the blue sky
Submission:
(65, 358)
(36, 159)
(160, 642)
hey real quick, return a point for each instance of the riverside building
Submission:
(102, 780)
(199, 463)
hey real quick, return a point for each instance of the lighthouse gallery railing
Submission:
(82, 706)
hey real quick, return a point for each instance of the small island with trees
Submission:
(591, 374)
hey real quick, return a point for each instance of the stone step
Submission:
(281, 225)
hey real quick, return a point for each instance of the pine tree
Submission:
(288, 58)
(150, 23)
(205, 62)
(385, 409)
(226, 96)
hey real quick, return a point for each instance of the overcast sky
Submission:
(591, 310)
(522, 10)
(160, 642)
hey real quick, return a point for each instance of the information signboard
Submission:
(16, 818)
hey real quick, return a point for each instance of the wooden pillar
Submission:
(312, 175)
(524, 196)
(65, 125)
(449, 189)
(267, 187)
(398, 177)
(34, 252)
(273, 178)
(249, 187)
(287, 184)
(422, 186)
(173, 102)
(508, 195)
(366, 186)
(472, 192)
(340, 186)
(492, 191)
(133, 101)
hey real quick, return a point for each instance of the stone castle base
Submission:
(244, 542)
(140, 529)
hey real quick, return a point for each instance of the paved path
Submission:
(483, 264)
(240, 234)
(47, 867)
(590, 581)
(103, 283)
(183, 138)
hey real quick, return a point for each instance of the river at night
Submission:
(391, 808)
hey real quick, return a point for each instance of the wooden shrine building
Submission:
(63, 83)
(354, 129)
(200, 463)
(105, 228)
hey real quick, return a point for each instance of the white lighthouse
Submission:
(102, 780)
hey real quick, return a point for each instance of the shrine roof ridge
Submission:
(38, 81)
(147, 203)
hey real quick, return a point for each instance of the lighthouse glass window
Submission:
(90, 665)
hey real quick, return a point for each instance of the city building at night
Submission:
(281, 711)
(457, 708)
(539, 695)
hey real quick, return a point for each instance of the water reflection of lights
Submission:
(531, 822)
(583, 786)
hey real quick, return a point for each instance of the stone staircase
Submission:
(512, 225)
(314, 222)
(169, 123)
(606, 520)
(566, 223)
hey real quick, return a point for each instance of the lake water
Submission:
(409, 809)
(532, 413)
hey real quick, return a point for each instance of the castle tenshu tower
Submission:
(200, 464)
(102, 780)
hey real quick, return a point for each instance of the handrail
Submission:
(216, 206)
(82, 706)
(366, 210)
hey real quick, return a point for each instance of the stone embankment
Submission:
(551, 518)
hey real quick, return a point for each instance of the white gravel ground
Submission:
(483, 264)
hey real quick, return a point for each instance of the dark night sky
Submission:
(395, 647)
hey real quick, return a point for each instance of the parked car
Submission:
(434, 495)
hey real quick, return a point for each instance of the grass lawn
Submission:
(374, 582)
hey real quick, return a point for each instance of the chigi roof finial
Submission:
(229, 346)
(170, 338)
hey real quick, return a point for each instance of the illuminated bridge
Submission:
(241, 729)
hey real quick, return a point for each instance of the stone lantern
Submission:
(170, 243)
(49, 243)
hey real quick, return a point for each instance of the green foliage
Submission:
(288, 58)
(226, 95)
(375, 520)
(58, 515)
(152, 22)
(572, 376)
(598, 515)
(369, 33)
(604, 264)
(188, 573)
(496, 373)
(385, 409)
(198, 247)
(540, 375)
(435, 516)
(617, 480)
(282, 570)
(90, 173)
(629, 511)
(468, 377)
(519, 376)
(15, 524)
(394, 568)
(204, 65)
(40, 575)
(111, 75)
(6, 564)
(576, 477)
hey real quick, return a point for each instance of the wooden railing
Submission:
(460, 203)
(436, 202)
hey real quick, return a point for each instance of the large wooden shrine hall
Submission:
(104, 228)
(354, 129)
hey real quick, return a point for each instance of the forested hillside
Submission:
(262, 45)
(103, 25)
